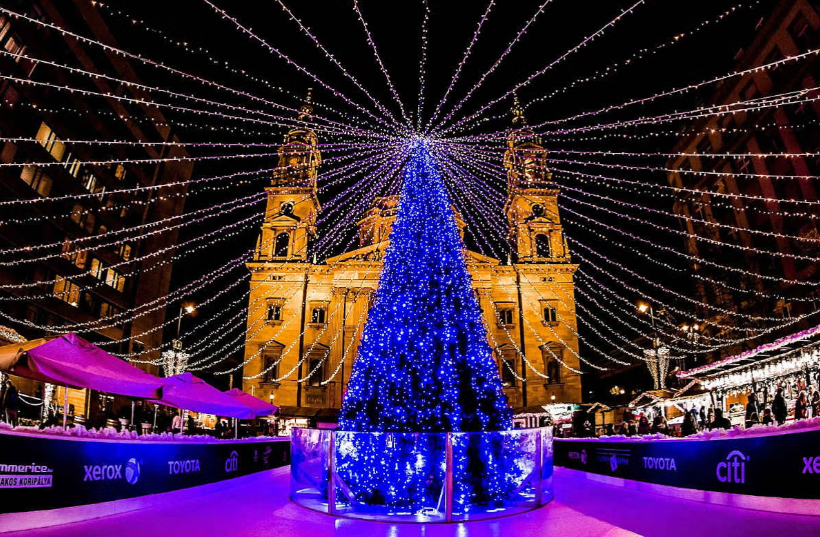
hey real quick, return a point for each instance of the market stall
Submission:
(791, 363)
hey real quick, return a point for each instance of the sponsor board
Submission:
(49, 473)
(778, 465)
(25, 476)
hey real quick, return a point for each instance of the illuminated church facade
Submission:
(306, 318)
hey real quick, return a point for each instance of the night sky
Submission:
(396, 29)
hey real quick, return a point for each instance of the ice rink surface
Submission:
(258, 505)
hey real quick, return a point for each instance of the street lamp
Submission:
(183, 309)
(655, 367)
(692, 336)
(552, 398)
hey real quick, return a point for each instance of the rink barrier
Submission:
(43, 473)
(773, 472)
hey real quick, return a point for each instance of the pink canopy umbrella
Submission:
(69, 360)
(259, 407)
(188, 392)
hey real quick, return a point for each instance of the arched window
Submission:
(542, 246)
(280, 249)
(552, 353)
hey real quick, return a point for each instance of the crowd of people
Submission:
(774, 412)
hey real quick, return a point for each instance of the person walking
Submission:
(11, 401)
(801, 407)
(779, 407)
(815, 404)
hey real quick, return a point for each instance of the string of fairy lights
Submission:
(746, 226)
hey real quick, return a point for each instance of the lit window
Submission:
(125, 252)
(76, 256)
(72, 165)
(66, 291)
(97, 269)
(15, 48)
(36, 179)
(89, 181)
(5, 26)
(115, 279)
(119, 172)
(48, 139)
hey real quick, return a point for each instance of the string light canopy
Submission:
(643, 217)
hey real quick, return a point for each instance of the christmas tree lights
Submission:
(424, 363)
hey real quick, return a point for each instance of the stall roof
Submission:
(768, 351)
(297, 412)
(258, 406)
(69, 360)
(188, 392)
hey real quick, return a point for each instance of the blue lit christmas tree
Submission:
(424, 364)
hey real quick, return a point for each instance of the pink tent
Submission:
(69, 360)
(188, 392)
(259, 407)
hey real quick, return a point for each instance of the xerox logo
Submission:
(811, 465)
(733, 469)
(110, 472)
(232, 463)
(183, 467)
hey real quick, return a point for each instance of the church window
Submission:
(552, 354)
(317, 316)
(506, 315)
(271, 361)
(280, 249)
(550, 314)
(274, 312)
(542, 246)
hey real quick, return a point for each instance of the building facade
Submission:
(74, 194)
(306, 318)
(752, 202)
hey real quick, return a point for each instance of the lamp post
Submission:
(692, 334)
(655, 367)
(175, 359)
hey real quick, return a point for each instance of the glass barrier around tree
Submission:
(421, 477)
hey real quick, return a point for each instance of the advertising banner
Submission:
(46, 473)
(784, 466)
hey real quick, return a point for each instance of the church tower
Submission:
(293, 204)
(535, 232)
(543, 322)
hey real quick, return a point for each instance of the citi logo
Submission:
(660, 463)
(811, 465)
(733, 469)
(232, 463)
(183, 467)
(110, 472)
